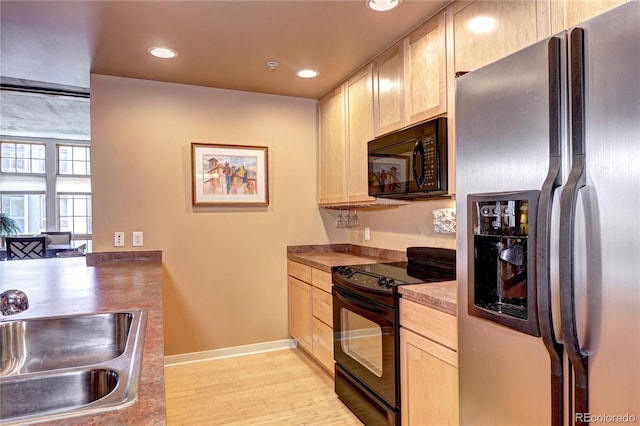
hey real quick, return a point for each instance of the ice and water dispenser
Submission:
(502, 280)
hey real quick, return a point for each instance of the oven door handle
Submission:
(360, 303)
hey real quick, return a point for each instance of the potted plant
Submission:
(8, 226)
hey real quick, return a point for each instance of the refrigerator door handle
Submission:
(543, 236)
(568, 201)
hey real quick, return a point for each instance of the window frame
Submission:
(88, 218)
(51, 180)
(72, 162)
(30, 159)
(40, 207)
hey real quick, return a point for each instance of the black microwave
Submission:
(410, 163)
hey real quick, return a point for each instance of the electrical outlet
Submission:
(118, 239)
(137, 239)
(367, 234)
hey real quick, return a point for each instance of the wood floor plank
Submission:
(281, 387)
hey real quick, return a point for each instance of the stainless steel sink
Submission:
(58, 367)
(50, 343)
(55, 392)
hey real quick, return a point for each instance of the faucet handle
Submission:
(13, 302)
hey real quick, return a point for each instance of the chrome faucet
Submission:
(13, 302)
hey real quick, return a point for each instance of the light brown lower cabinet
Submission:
(323, 344)
(311, 312)
(428, 369)
(300, 326)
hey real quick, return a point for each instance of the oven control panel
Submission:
(366, 280)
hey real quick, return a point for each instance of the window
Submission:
(75, 213)
(28, 210)
(74, 160)
(19, 157)
(41, 197)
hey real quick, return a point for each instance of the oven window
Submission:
(361, 339)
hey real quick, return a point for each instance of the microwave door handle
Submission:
(543, 234)
(418, 150)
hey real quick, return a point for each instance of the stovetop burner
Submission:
(429, 265)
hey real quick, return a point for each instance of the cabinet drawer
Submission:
(300, 271)
(429, 323)
(321, 279)
(323, 344)
(322, 306)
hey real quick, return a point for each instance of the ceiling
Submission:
(223, 44)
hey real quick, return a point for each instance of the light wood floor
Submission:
(281, 387)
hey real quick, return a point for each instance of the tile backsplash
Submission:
(444, 221)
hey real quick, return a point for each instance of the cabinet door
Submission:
(359, 132)
(485, 31)
(425, 70)
(300, 327)
(572, 12)
(388, 91)
(428, 380)
(332, 179)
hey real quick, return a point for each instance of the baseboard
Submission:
(234, 351)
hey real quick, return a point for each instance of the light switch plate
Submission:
(137, 239)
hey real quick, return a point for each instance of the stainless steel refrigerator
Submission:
(548, 207)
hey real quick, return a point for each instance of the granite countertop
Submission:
(441, 296)
(68, 286)
(326, 256)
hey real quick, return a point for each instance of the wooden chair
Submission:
(26, 247)
(59, 237)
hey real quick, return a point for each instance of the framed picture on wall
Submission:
(230, 175)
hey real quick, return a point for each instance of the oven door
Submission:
(364, 342)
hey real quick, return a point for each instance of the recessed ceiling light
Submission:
(382, 5)
(307, 73)
(163, 52)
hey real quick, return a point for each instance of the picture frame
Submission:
(229, 175)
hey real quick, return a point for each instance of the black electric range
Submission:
(381, 280)
(366, 329)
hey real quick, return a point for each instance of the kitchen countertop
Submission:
(441, 296)
(326, 256)
(68, 286)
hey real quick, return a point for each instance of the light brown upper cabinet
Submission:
(425, 70)
(388, 91)
(346, 125)
(409, 79)
(485, 31)
(359, 132)
(332, 168)
(572, 12)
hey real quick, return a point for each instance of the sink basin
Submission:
(49, 343)
(64, 366)
(55, 392)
